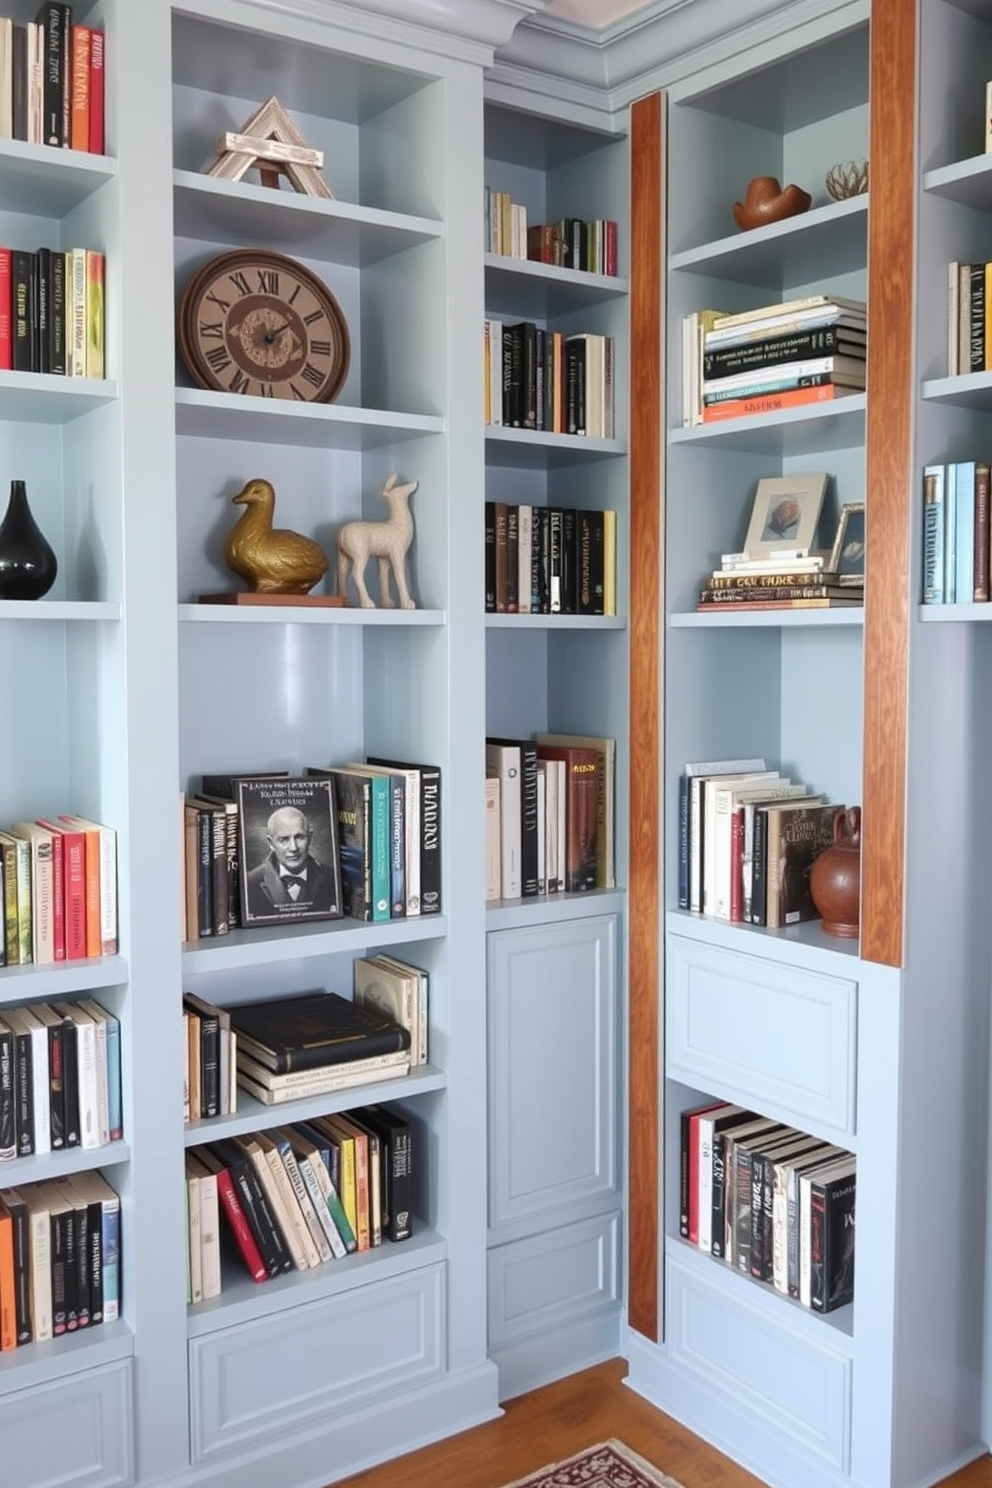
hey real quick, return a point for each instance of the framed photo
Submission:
(847, 560)
(785, 515)
(288, 844)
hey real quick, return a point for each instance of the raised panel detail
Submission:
(799, 1387)
(553, 1279)
(281, 1372)
(778, 1037)
(72, 1433)
(552, 1066)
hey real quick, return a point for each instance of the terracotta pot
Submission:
(835, 878)
(766, 201)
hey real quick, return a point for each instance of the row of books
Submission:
(550, 560)
(60, 1258)
(534, 378)
(775, 356)
(748, 838)
(58, 886)
(298, 1196)
(771, 1201)
(60, 1078)
(52, 311)
(549, 815)
(315, 1043)
(51, 81)
(969, 318)
(379, 831)
(570, 242)
(210, 1068)
(800, 581)
(957, 540)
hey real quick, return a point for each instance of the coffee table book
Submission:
(314, 1029)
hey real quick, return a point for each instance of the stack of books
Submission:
(315, 1043)
(796, 580)
(783, 355)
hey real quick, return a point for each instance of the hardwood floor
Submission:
(546, 1425)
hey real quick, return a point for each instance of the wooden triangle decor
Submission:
(271, 142)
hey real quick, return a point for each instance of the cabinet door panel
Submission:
(551, 1280)
(779, 1037)
(552, 1067)
(72, 1433)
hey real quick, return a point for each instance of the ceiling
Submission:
(595, 14)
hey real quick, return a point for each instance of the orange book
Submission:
(79, 95)
(91, 836)
(772, 402)
(8, 1288)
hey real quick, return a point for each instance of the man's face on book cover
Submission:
(289, 838)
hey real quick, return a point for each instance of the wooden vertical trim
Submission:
(890, 481)
(647, 422)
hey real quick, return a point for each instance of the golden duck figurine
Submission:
(271, 560)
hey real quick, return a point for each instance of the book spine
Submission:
(96, 141)
(8, 1095)
(6, 304)
(818, 341)
(772, 402)
(933, 534)
(490, 557)
(51, 20)
(430, 848)
(76, 297)
(95, 272)
(528, 820)
(79, 109)
(23, 347)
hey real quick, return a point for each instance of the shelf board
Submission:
(816, 245)
(36, 1364)
(63, 979)
(792, 431)
(967, 614)
(254, 1115)
(206, 614)
(966, 181)
(47, 182)
(807, 945)
(45, 398)
(277, 943)
(541, 291)
(555, 622)
(511, 914)
(243, 1300)
(241, 213)
(972, 390)
(36, 1169)
(59, 609)
(533, 449)
(741, 616)
(277, 421)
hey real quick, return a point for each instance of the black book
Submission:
(218, 865)
(61, 1224)
(23, 1082)
(540, 558)
(555, 606)
(575, 396)
(512, 595)
(54, 40)
(490, 557)
(22, 297)
(832, 340)
(55, 1025)
(43, 309)
(396, 1136)
(430, 830)
(353, 794)
(313, 1030)
(14, 1202)
(209, 1058)
(759, 868)
(8, 1094)
(831, 1237)
(724, 1121)
(70, 1079)
(541, 379)
(569, 561)
(57, 313)
(19, 81)
(90, 1272)
(255, 1205)
(224, 785)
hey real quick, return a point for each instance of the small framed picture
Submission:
(785, 515)
(847, 560)
(290, 863)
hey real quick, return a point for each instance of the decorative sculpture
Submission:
(847, 179)
(271, 142)
(766, 201)
(386, 541)
(271, 560)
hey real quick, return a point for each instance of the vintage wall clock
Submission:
(256, 322)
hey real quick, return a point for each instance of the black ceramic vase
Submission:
(27, 563)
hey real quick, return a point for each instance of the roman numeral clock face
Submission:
(259, 323)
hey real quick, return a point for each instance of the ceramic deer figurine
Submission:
(386, 541)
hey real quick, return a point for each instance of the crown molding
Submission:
(466, 30)
(659, 46)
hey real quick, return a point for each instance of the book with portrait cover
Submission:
(288, 849)
(314, 1029)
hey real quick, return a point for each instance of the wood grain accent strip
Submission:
(647, 423)
(890, 480)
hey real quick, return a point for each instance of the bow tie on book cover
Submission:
(292, 880)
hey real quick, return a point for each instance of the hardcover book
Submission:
(314, 1029)
(797, 834)
(288, 846)
(582, 808)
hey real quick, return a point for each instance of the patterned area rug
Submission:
(608, 1465)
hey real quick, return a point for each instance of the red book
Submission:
(610, 245)
(240, 1229)
(772, 402)
(694, 1167)
(582, 776)
(73, 859)
(79, 89)
(736, 872)
(6, 310)
(96, 143)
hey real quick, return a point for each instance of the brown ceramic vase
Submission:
(835, 878)
(766, 201)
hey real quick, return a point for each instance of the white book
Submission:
(410, 991)
(22, 1020)
(193, 1228)
(525, 544)
(86, 1072)
(299, 1239)
(718, 827)
(302, 1193)
(496, 372)
(37, 1196)
(694, 772)
(36, 83)
(503, 761)
(492, 829)
(705, 1131)
(209, 1218)
(6, 78)
(784, 1170)
(311, 1167)
(105, 1058)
